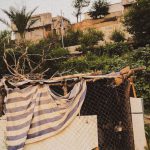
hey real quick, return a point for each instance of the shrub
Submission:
(98, 51)
(84, 63)
(116, 49)
(72, 37)
(141, 57)
(117, 36)
(93, 61)
(76, 65)
(58, 52)
(91, 37)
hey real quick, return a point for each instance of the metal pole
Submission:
(62, 29)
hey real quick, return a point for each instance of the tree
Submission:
(100, 8)
(137, 21)
(117, 36)
(79, 5)
(20, 18)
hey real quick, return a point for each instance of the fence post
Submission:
(138, 123)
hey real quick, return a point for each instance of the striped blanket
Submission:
(36, 113)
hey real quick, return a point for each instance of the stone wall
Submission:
(106, 25)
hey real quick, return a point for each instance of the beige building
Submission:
(44, 26)
(60, 25)
(111, 22)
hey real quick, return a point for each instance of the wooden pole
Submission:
(89, 77)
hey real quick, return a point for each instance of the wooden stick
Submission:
(89, 77)
(133, 87)
(65, 88)
(76, 76)
(134, 91)
(130, 72)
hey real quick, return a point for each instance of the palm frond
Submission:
(31, 23)
(29, 14)
(5, 22)
(20, 18)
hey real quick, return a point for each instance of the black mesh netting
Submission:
(112, 106)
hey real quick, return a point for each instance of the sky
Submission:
(53, 6)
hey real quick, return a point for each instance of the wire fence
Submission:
(111, 104)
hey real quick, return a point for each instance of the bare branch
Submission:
(39, 65)
(23, 55)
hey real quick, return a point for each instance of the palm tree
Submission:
(20, 18)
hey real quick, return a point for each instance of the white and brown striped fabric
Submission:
(36, 113)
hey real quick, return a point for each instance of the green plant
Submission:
(116, 49)
(117, 36)
(100, 9)
(5, 43)
(72, 37)
(141, 57)
(76, 65)
(91, 37)
(137, 21)
(58, 52)
(20, 18)
(147, 132)
(98, 50)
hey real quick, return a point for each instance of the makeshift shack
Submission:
(83, 112)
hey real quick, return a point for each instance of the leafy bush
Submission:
(109, 49)
(91, 37)
(116, 49)
(84, 63)
(99, 50)
(141, 57)
(58, 52)
(72, 37)
(117, 36)
(76, 65)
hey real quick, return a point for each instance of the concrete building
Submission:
(60, 25)
(111, 22)
(44, 26)
(127, 4)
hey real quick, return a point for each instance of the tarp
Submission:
(36, 112)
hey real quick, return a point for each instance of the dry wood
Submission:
(128, 72)
(80, 75)
(65, 88)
